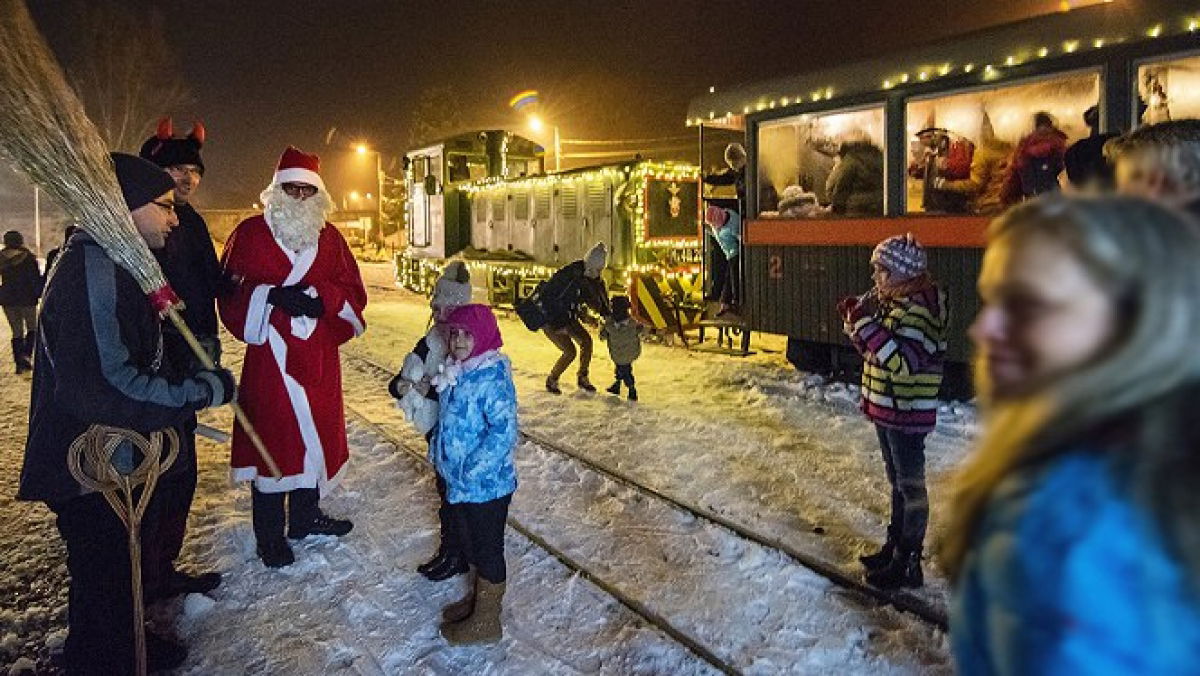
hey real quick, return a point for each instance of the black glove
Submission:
(394, 387)
(293, 300)
(221, 386)
(228, 283)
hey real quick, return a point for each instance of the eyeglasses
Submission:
(299, 189)
(168, 206)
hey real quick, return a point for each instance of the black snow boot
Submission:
(615, 388)
(552, 385)
(879, 559)
(451, 566)
(267, 516)
(276, 554)
(903, 571)
(19, 358)
(306, 518)
(633, 394)
(583, 382)
(437, 560)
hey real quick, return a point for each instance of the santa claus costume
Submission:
(300, 298)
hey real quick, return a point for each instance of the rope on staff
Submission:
(238, 413)
(90, 460)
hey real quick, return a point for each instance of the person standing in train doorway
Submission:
(563, 298)
(899, 328)
(735, 175)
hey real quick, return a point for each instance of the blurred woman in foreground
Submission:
(1075, 543)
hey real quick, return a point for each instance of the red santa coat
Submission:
(291, 383)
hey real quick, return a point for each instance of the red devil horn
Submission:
(164, 129)
(198, 133)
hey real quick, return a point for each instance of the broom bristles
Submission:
(45, 131)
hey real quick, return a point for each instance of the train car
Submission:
(515, 225)
(841, 158)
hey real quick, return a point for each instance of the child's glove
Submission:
(846, 306)
(398, 387)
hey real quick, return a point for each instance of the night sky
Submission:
(266, 74)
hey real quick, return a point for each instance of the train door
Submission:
(427, 230)
(569, 223)
(480, 204)
(521, 231)
(499, 224)
(598, 219)
(541, 224)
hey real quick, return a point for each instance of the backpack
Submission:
(1040, 174)
(533, 315)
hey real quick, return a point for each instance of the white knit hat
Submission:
(595, 260)
(453, 288)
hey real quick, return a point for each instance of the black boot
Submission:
(29, 341)
(615, 388)
(163, 653)
(180, 583)
(873, 562)
(903, 571)
(18, 350)
(436, 562)
(450, 566)
(267, 515)
(633, 394)
(306, 518)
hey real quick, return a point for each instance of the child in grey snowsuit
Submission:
(623, 334)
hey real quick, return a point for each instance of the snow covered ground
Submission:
(749, 438)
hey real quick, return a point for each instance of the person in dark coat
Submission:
(20, 289)
(563, 297)
(189, 260)
(100, 361)
(855, 186)
(1160, 162)
(735, 175)
(1087, 167)
(52, 255)
(1037, 161)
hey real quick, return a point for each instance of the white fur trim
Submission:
(258, 316)
(298, 175)
(351, 317)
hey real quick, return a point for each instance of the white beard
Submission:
(295, 223)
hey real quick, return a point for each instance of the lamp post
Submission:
(536, 125)
(362, 149)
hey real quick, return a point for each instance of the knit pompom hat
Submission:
(480, 322)
(595, 260)
(453, 288)
(902, 256)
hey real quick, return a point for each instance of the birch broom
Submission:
(46, 133)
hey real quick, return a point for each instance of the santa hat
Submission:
(297, 166)
(453, 288)
(478, 321)
(595, 260)
(902, 256)
(165, 150)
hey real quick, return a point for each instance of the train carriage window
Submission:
(541, 203)
(1169, 90)
(822, 164)
(480, 209)
(497, 201)
(521, 205)
(569, 202)
(979, 151)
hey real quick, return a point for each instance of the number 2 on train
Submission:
(775, 267)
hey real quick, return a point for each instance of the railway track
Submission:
(902, 601)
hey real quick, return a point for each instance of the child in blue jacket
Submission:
(473, 454)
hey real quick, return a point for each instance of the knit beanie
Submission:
(453, 288)
(478, 321)
(620, 308)
(902, 256)
(13, 239)
(141, 181)
(716, 216)
(595, 260)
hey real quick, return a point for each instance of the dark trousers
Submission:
(904, 460)
(267, 511)
(451, 539)
(564, 338)
(731, 291)
(720, 269)
(100, 611)
(481, 530)
(174, 495)
(624, 374)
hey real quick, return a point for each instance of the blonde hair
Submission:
(1173, 147)
(1145, 257)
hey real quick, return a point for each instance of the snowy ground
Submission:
(748, 438)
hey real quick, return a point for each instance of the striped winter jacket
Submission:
(903, 346)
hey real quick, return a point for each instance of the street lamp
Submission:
(536, 125)
(363, 149)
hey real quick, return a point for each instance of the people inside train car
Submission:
(1087, 167)
(734, 174)
(564, 297)
(1037, 161)
(855, 186)
(1072, 547)
(418, 399)
(624, 336)
(989, 170)
(943, 157)
(1160, 162)
(899, 328)
(472, 452)
(726, 228)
